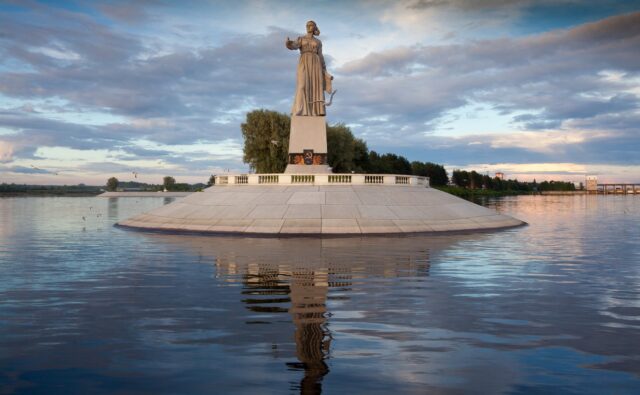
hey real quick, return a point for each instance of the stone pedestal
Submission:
(308, 145)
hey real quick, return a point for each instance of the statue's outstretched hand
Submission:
(290, 44)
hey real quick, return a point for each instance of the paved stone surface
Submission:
(327, 210)
(340, 226)
(268, 212)
(301, 226)
(301, 197)
(342, 211)
(303, 211)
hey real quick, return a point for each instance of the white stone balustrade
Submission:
(322, 179)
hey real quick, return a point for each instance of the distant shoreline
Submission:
(560, 193)
(48, 194)
(456, 191)
(144, 194)
(466, 193)
(93, 194)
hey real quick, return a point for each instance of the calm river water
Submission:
(553, 307)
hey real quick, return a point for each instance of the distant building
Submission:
(592, 183)
(500, 176)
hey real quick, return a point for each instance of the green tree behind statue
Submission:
(266, 144)
(266, 141)
(346, 153)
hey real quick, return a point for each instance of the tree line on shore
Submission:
(168, 184)
(475, 180)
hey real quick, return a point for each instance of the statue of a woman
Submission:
(312, 77)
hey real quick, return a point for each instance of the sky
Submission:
(140, 90)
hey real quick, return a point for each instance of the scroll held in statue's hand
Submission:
(328, 82)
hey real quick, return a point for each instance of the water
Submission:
(553, 307)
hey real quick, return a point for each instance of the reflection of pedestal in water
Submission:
(303, 270)
(112, 208)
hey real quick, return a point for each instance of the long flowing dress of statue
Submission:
(310, 82)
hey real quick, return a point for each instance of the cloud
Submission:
(567, 171)
(551, 81)
(189, 95)
(28, 170)
(125, 11)
(549, 141)
(568, 92)
(6, 151)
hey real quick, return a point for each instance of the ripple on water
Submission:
(551, 307)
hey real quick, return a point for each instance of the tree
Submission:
(460, 178)
(266, 144)
(556, 186)
(212, 181)
(436, 173)
(345, 152)
(169, 182)
(181, 187)
(266, 141)
(399, 164)
(388, 164)
(112, 184)
(360, 156)
(487, 182)
(475, 180)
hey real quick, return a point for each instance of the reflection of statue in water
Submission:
(307, 288)
(308, 308)
(312, 77)
(275, 271)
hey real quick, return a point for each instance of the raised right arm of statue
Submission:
(292, 44)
